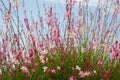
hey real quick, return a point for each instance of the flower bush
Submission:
(82, 48)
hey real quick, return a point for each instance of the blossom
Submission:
(24, 9)
(83, 49)
(73, 2)
(40, 44)
(78, 68)
(1, 53)
(0, 71)
(29, 56)
(99, 24)
(42, 57)
(53, 71)
(15, 3)
(42, 61)
(67, 14)
(115, 54)
(116, 50)
(8, 16)
(72, 78)
(81, 74)
(87, 73)
(25, 70)
(116, 7)
(27, 61)
(55, 35)
(13, 67)
(49, 21)
(71, 34)
(100, 62)
(52, 46)
(26, 23)
(58, 68)
(14, 60)
(94, 71)
(45, 68)
(43, 52)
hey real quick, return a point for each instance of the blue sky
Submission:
(31, 6)
(59, 5)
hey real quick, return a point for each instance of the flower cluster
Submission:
(82, 46)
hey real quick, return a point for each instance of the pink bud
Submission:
(49, 21)
(58, 68)
(26, 23)
(100, 62)
(53, 71)
(83, 50)
(72, 78)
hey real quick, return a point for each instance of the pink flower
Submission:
(26, 23)
(100, 62)
(27, 61)
(55, 35)
(81, 74)
(2, 52)
(29, 56)
(99, 24)
(32, 56)
(83, 49)
(58, 68)
(115, 54)
(73, 2)
(40, 44)
(25, 70)
(44, 52)
(7, 16)
(53, 71)
(49, 21)
(87, 73)
(67, 14)
(72, 78)
(116, 50)
(86, 1)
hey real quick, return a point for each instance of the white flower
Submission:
(45, 68)
(14, 61)
(94, 71)
(115, 7)
(27, 61)
(13, 67)
(0, 71)
(78, 68)
(52, 46)
(44, 51)
(15, 3)
(43, 61)
(41, 57)
(71, 34)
